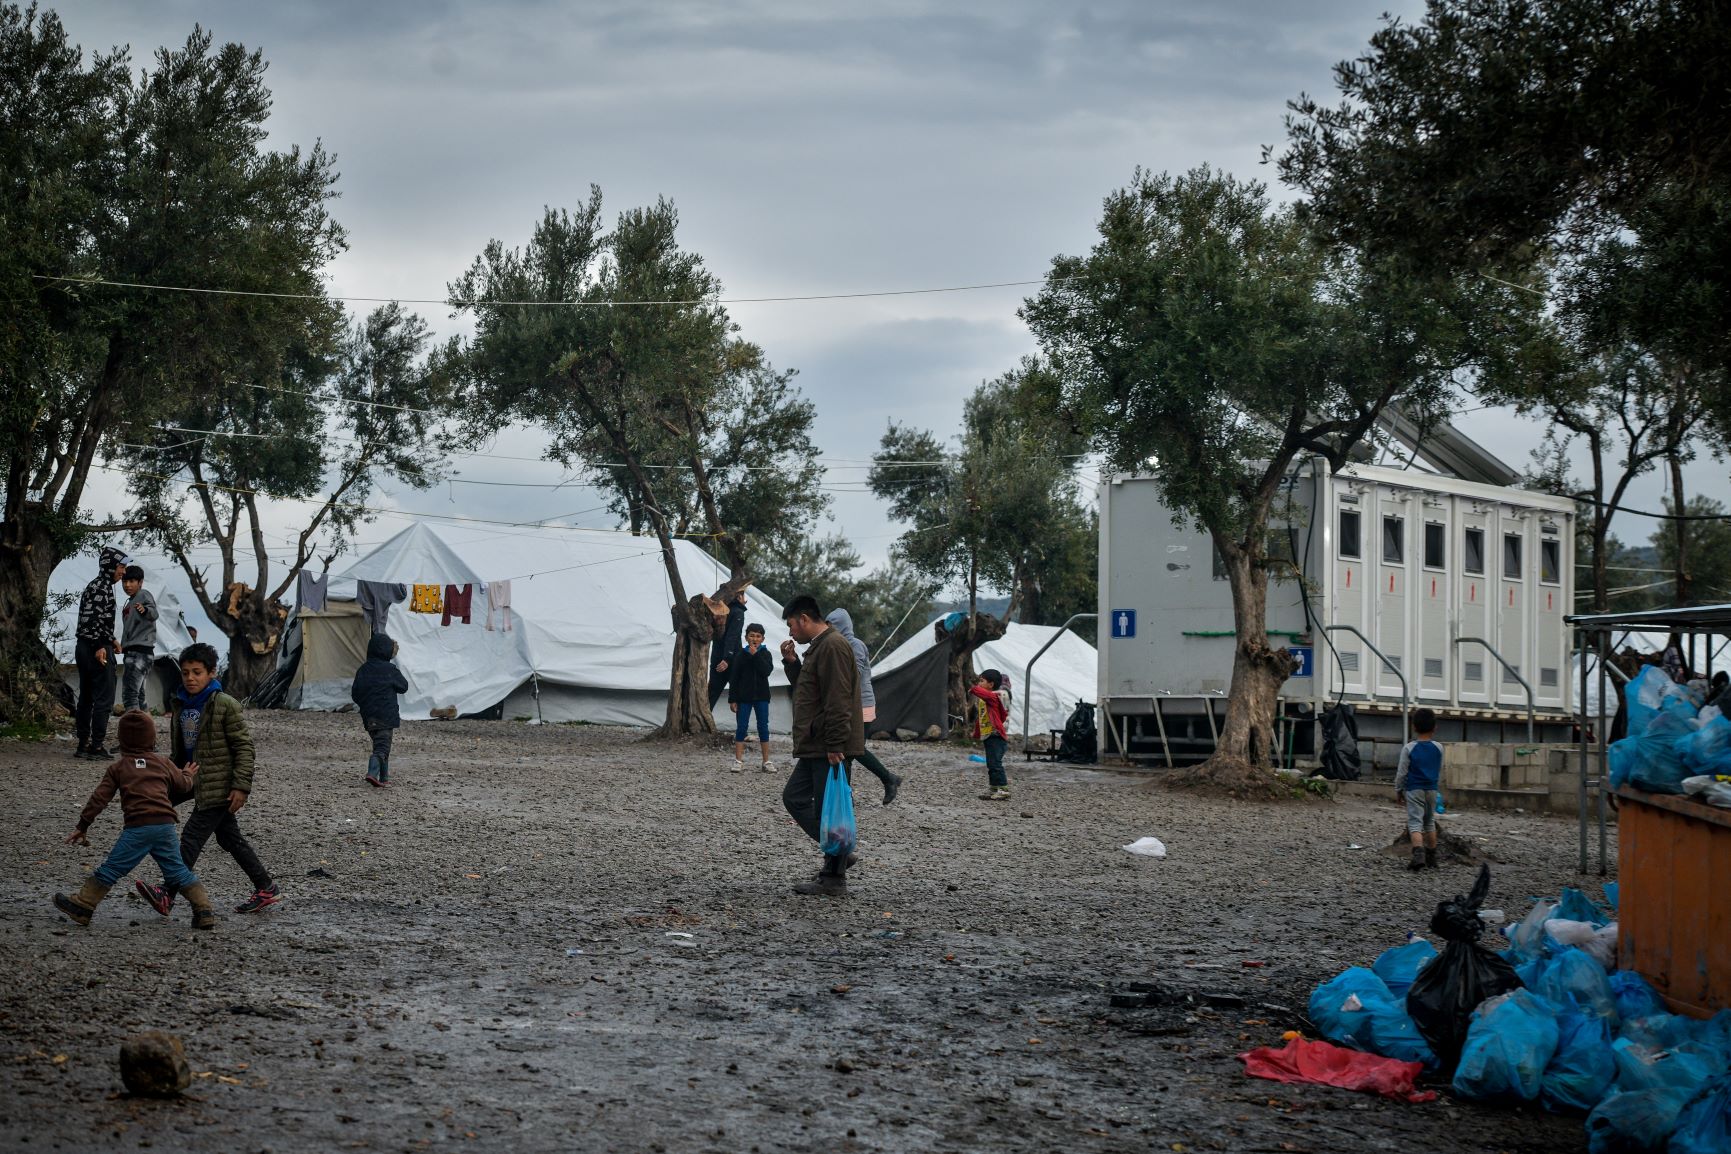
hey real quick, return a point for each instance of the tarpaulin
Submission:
(1325, 1064)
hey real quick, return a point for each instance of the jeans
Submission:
(219, 821)
(139, 842)
(746, 709)
(802, 797)
(995, 747)
(136, 667)
(95, 692)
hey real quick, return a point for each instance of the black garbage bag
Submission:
(1340, 760)
(1080, 742)
(1447, 991)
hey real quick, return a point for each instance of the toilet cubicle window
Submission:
(1394, 540)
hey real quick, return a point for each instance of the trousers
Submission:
(137, 669)
(95, 692)
(219, 821)
(139, 842)
(802, 797)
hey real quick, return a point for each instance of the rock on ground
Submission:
(488, 957)
(153, 1064)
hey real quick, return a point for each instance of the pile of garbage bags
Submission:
(1547, 1018)
(1676, 743)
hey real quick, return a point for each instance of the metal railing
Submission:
(1511, 671)
(1028, 673)
(1405, 691)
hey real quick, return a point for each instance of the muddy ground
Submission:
(489, 964)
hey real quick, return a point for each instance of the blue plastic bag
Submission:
(836, 824)
(1572, 977)
(1654, 760)
(1611, 895)
(1640, 1121)
(1645, 1068)
(1635, 997)
(1575, 906)
(1513, 1037)
(1397, 967)
(1356, 1010)
(1527, 937)
(1709, 748)
(1583, 1067)
(1644, 695)
(1704, 1126)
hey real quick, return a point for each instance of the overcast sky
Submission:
(810, 148)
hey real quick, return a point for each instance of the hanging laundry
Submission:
(426, 599)
(499, 598)
(375, 599)
(310, 591)
(457, 603)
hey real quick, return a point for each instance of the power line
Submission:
(476, 303)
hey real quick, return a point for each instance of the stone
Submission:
(153, 1064)
(934, 733)
(907, 735)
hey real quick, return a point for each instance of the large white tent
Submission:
(591, 630)
(910, 680)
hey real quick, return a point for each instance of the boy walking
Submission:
(748, 694)
(827, 728)
(145, 782)
(208, 735)
(97, 655)
(377, 684)
(991, 729)
(1416, 783)
(137, 637)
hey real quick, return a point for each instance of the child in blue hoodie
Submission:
(378, 682)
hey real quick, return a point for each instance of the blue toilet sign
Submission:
(1306, 656)
(1123, 623)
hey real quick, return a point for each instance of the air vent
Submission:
(1475, 671)
(1394, 661)
(1548, 678)
(1509, 677)
(1433, 667)
(1349, 660)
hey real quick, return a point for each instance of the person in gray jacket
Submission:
(842, 622)
(137, 637)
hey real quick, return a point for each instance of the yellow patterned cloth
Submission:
(426, 599)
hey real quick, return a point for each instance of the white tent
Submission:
(591, 632)
(1064, 674)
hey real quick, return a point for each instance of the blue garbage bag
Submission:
(1527, 937)
(1511, 1040)
(1611, 895)
(1708, 1040)
(1575, 906)
(1644, 694)
(1629, 1122)
(836, 830)
(1583, 1068)
(1709, 748)
(1397, 967)
(1356, 1009)
(1654, 760)
(1704, 1126)
(1572, 977)
(1646, 1068)
(1635, 997)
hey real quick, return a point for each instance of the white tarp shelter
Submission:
(910, 680)
(591, 633)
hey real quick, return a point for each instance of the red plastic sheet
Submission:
(1325, 1064)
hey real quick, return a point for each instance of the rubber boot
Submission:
(1430, 861)
(832, 882)
(80, 906)
(1417, 862)
(384, 773)
(375, 770)
(203, 917)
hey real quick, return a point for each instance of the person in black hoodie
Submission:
(724, 651)
(98, 656)
(749, 695)
(377, 683)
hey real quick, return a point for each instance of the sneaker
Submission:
(739, 765)
(97, 753)
(260, 900)
(158, 898)
(998, 794)
(81, 751)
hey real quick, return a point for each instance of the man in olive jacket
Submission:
(828, 728)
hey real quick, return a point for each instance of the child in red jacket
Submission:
(991, 701)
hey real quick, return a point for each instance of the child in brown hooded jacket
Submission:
(148, 785)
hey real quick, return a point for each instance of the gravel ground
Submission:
(490, 963)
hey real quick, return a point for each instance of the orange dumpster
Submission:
(1674, 898)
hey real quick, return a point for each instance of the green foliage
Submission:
(1706, 551)
(658, 406)
(1002, 507)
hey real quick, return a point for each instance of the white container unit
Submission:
(1416, 562)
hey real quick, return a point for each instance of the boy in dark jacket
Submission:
(147, 784)
(377, 683)
(749, 694)
(208, 735)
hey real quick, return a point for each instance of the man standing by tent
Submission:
(724, 651)
(828, 728)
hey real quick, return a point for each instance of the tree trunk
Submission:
(1680, 589)
(973, 632)
(254, 632)
(30, 685)
(688, 691)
